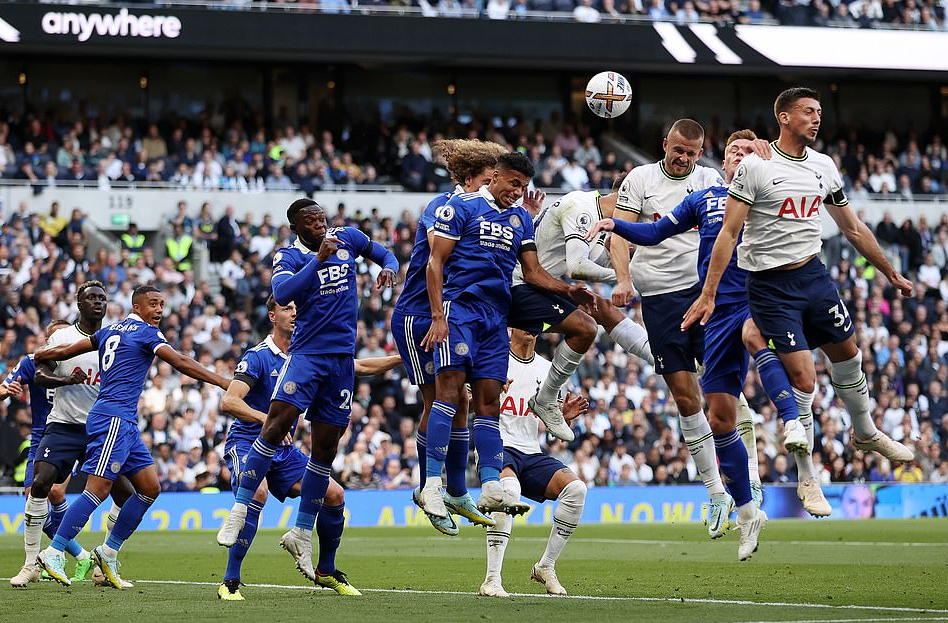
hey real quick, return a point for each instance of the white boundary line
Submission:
(531, 539)
(855, 620)
(734, 602)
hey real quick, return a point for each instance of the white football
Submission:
(608, 94)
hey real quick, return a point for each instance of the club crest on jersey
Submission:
(241, 367)
(277, 257)
(115, 467)
(342, 254)
(515, 221)
(461, 348)
(583, 223)
(289, 388)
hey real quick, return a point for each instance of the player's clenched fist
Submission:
(77, 377)
(329, 246)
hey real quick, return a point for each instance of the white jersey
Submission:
(72, 403)
(785, 195)
(519, 428)
(650, 192)
(569, 218)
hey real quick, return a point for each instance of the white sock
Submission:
(112, 518)
(36, 512)
(497, 539)
(84, 554)
(697, 433)
(633, 339)
(745, 428)
(850, 384)
(565, 362)
(805, 468)
(568, 513)
(746, 512)
(109, 551)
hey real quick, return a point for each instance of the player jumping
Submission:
(792, 297)
(318, 273)
(126, 351)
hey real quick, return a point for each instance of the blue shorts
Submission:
(115, 447)
(286, 469)
(62, 446)
(477, 343)
(534, 471)
(535, 311)
(408, 331)
(798, 309)
(321, 385)
(35, 437)
(725, 358)
(674, 350)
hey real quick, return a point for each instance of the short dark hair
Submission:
(88, 284)
(299, 205)
(271, 303)
(515, 161)
(688, 129)
(55, 323)
(141, 291)
(617, 181)
(788, 98)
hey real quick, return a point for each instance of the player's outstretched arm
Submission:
(376, 365)
(64, 351)
(441, 250)
(735, 213)
(387, 260)
(535, 275)
(234, 404)
(859, 234)
(47, 377)
(188, 366)
(622, 293)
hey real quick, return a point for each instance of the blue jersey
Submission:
(703, 209)
(126, 351)
(41, 398)
(327, 307)
(260, 369)
(489, 240)
(413, 301)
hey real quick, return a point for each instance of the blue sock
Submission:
(733, 457)
(312, 491)
(490, 448)
(776, 383)
(421, 442)
(55, 518)
(255, 470)
(439, 436)
(458, 450)
(329, 527)
(235, 555)
(75, 520)
(73, 548)
(133, 511)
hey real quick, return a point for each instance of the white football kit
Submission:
(72, 403)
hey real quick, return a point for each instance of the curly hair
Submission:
(468, 157)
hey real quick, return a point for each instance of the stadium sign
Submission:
(122, 24)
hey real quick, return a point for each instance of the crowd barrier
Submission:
(671, 504)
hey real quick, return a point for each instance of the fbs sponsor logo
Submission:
(85, 26)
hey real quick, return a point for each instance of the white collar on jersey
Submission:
(273, 347)
(483, 192)
(458, 189)
(135, 317)
(302, 247)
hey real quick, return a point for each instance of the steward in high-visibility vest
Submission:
(179, 249)
(134, 242)
(19, 472)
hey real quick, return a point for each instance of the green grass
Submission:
(645, 573)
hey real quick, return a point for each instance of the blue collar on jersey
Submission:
(273, 347)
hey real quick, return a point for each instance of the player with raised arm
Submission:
(563, 251)
(666, 276)
(791, 296)
(529, 472)
(726, 359)
(246, 399)
(470, 163)
(318, 273)
(126, 351)
(478, 238)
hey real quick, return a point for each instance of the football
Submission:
(608, 94)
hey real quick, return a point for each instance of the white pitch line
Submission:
(530, 539)
(732, 602)
(855, 620)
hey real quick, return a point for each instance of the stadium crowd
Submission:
(230, 151)
(629, 435)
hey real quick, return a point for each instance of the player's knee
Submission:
(42, 482)
(511, 485)
(335, 495)
(720, 423)
(574, 493)
(752, 338)
(151, 490)
(57, 494)
(585, 329)
(803, 380)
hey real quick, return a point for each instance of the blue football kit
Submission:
(41, 401)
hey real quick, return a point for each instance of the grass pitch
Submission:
(839, 571)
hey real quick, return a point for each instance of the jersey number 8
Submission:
(108, 357)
